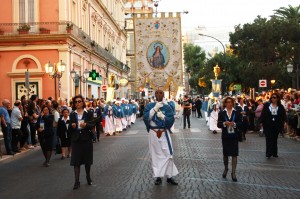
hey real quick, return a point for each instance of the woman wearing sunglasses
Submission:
(273, 119)
(81, 127)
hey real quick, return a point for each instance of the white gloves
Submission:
(157, 106)
(160, 115)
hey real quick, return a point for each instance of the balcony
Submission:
(31, 31)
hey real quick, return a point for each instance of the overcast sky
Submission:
(218, 17)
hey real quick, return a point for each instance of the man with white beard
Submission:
(159, 118)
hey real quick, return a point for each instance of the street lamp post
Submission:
(290, 68)
(82, 78)
(55, 71)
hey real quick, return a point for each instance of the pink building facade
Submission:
(35, 32)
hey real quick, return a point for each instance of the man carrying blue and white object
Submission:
(159, 118)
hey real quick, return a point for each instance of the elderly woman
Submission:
(81, 124)
(230, 120)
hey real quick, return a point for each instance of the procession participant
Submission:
(244, 110)
(213, 111)
(124, 106)
(159, 118)
(204, 108)
(118, 115)
(134, 109)
(109, 128)
(64, 134)
(172, 105)
(97, 114)
(229, 120)
(129, 113)
(273, 119)
(82, 123)
(44, 127)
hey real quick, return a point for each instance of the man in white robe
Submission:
(159, 118)
(109, 120)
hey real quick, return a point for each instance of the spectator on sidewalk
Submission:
(16, 120)
(6, 126)
(33, 114)
(24, 126)
(187, 107)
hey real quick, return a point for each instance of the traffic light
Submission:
(94, 74)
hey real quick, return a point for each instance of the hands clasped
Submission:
(157, 106)
(160, 115)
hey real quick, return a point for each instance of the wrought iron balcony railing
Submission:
(55, 28)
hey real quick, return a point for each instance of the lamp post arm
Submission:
(215, 39)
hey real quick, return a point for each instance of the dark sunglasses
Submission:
(274, 97)
(78, 101)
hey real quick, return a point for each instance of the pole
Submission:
(297, 73)
(55, 88)
(169, 91)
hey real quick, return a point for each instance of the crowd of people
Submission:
(75, 125)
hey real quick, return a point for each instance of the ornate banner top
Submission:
(158, 51)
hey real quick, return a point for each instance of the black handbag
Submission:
(58, 147)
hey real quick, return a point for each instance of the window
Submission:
(26, 11)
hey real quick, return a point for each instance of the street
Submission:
(122, 169)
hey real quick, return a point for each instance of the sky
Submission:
(218, 17)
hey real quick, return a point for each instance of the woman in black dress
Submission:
(273, 118)
(44, 127)
(81, 126)
(64, 134)
(229, 120)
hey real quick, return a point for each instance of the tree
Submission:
(290, 14)
(194, 60)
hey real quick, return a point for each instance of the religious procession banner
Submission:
(158, 51)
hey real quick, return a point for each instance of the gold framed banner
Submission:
(158, 51)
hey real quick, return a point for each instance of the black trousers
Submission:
(271, 141)
(16, 138)
(186, 117)
(199, 112)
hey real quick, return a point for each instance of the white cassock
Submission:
(109, 123)
(118, 124)
(213, 120)
(162, 160)
(129, 120)
(124, 122)
(133, 117)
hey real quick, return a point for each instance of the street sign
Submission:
(262, 83)
(104, 88)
